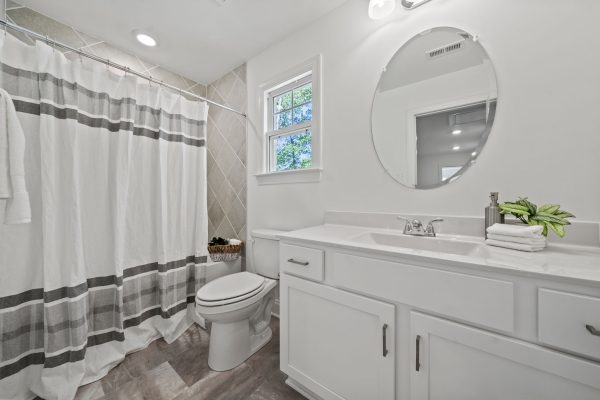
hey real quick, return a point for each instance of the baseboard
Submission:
(301, 389)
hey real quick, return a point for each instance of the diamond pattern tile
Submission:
(227, 147)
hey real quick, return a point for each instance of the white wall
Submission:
(545, 143)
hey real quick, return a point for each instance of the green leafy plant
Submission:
(218, 241)
(550, 216)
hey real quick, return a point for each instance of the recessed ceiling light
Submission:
(456, 132)
(456, 148)
(145, 39)
(379, 9)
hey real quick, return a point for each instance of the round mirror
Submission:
(434, 108)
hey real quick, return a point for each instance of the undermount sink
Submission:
(449, 244)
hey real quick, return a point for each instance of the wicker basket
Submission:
(227, 252)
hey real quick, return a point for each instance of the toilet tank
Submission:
(265, 252)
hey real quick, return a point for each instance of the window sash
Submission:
(291, 108)
(271, 136)
(290, 87)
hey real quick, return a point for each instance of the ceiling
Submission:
(199, 39)
(410, 64)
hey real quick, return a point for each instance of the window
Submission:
(290, 112)
(292, 129)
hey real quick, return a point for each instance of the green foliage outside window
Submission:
(292, 108)
(293, 151)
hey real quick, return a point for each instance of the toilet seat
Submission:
(230, 289)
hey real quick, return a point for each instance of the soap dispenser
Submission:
(492, 213)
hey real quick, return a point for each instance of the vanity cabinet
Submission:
(336, 344)
(451, 361)
(362, 324)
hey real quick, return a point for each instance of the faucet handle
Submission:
(435, 220)
(430, 229)
(408, 226)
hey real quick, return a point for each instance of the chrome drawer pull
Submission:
(418, 358)
(592, 330)
(385, 350)
(304, 263)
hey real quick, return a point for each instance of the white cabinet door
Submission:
(337, 344)
(450, 361)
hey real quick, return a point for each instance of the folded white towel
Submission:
(12, 164)
(235, 241)
(527, 231)
(515, 246)
(516, 239)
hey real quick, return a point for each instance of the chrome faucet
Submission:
(414, 227)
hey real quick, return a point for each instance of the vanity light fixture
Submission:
(379, 9)
(144, 38)
(473, 154)
(409, 5)
(456, 148)
(456, 132)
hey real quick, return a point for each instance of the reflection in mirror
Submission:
(434, 108)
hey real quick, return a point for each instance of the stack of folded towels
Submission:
(517, 237)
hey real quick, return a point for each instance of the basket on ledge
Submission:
(226, 252)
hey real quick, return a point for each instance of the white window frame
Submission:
(290, 130)
(308, 71)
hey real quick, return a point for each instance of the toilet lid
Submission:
(231, 287)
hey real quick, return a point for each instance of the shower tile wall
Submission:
(37, 22)
(227, 157)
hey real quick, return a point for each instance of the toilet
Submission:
(239, 305)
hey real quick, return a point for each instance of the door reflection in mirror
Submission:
(448, 141)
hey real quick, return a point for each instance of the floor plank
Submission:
(180, 371)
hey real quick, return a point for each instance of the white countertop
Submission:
(572, 262)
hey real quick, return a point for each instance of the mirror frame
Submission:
(465, 167)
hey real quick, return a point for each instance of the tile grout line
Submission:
(227, 141)
(226, 212)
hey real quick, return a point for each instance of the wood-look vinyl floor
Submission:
(180, 371)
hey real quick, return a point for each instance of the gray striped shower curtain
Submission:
(116, 172)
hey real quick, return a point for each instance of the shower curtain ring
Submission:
(53, 45)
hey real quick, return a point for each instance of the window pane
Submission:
(293, 151)
(303, 94)
(282, 120)
(282, 102)
(302, 113)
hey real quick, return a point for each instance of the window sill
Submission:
(306, 175)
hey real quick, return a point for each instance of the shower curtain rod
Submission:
(124, 68)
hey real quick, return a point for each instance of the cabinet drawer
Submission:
(568, 321)
(301, 261)
(482, 301)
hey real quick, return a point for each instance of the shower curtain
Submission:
(116, 171)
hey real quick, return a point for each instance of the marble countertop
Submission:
(557, 261)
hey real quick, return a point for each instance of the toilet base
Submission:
(231, 344)
(258, 341)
